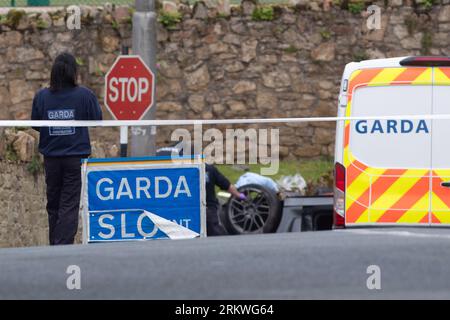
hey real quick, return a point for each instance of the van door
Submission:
(388, 161)
(440, 203)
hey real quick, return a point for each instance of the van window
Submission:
(392, 144)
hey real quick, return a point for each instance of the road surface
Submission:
(414, 263)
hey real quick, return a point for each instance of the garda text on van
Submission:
(391, 126)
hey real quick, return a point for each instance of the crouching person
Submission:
(64, 147)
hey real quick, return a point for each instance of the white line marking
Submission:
(398, 234)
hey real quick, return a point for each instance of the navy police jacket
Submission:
(74, 103)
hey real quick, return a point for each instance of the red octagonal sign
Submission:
(129, 88)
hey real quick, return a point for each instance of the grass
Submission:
(311, 170)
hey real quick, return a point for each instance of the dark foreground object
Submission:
(63, 180)
(414, 263)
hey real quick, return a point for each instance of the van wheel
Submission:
(260, 213)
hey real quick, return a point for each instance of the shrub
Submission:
(13, 17)
(325, 34)
(169, 19)
(356, 7)
(428, 4)
(35, 166)
(263, 14)
(41, 24)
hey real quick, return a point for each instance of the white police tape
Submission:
(143, 123)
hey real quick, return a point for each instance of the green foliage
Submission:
(3, 19)
(291, 49)
(360, 55)
(79, 61)
(35, 166)
(169, 19)
(115, 24)
(263, 14)
(10, 154)
(98, 71)
(356, 7)
(222, 16)
(41, 24)
(326, 34)
(428, 4)
(13, 17)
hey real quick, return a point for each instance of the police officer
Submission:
(64, 147)
(215, 178)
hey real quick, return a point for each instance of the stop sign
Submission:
(129, 88)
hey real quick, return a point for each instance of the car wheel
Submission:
(260, 213)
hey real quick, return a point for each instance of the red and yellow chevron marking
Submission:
(406, 200)
(388, 77)
(389, 196)
(440, 200)
(441, 76)
(377, 195)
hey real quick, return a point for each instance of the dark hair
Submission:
(64, 72)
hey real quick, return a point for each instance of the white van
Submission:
(393, 172)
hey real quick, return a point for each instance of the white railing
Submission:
(143, 123)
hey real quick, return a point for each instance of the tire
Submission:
(261, 213)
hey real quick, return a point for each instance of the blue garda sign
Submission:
(143, 199)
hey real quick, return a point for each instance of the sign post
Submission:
(123, 141)
(143, 141)
(124, 129)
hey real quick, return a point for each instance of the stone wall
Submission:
(23, 219)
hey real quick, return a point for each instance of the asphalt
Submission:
(414, 264)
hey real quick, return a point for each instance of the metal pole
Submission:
(124, 141)
(124, 129)
(144, 44)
